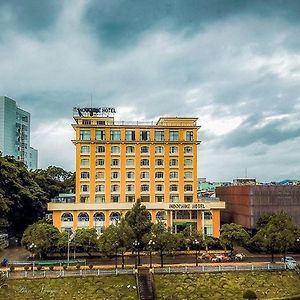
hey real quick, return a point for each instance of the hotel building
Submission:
(119, 162)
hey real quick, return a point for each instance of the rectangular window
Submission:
(130, 149)
(189, 135)
(145, 135)
(85, 135)
(115, 175)
(115, 198)
(174, 198)
(130, 188)
(100, 162)
(159, 135)
(174, 135)
(85, 162)
(130, 135)
(86, 122)
(188, 198)
(115, 150)
(159, 150)
(99, 175)
(159, 198)
(115, 135)
(145, 198)
(188, 162)
(84, 188)
(115, 162)
(100, 135)
(85, 149)
(100, 149)
(129, 162)
(130, 198)
(84, 199)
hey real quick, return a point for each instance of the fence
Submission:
(166, 270)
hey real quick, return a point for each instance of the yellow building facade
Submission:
(119, 162)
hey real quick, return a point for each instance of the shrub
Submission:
(250, 295)
(65, 267)
(51, 268)
(78, 266)
(39, 267)
(91, 267)
(26, 268)
(12, 267)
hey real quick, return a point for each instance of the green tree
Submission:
(54, 180)
(22, 202)
(164, 240)
(278, 234)
(233, 234)
(138, 220)
(86, 240)
(40, 238)
(117, 239)
(263, 220)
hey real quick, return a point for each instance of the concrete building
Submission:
(246, 203)
(15, 133)
(120, 162)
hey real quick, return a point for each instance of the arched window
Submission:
(149, 215)
(161, 215)
(115, 216)
(83, 217)
(173, 150)
(115, 149)
(67, 217)
(99, 217)
(188, 149)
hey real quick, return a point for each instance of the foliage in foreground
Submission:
(231, 285)
(85, 288)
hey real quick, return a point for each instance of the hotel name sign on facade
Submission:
(120, 162)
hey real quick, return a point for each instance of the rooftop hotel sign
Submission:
(90, 111)
(187, 206)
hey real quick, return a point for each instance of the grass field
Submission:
(85, 288)
(267, 285)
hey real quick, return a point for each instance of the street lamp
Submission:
(196, 243)
(33, 246)
(136, 245)
(70, 238)
(151, 244)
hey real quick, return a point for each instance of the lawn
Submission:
(231, 285)
(85, 288)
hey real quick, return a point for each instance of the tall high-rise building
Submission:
(15, 133)
(119, 162)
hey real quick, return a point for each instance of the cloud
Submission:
(233, 64)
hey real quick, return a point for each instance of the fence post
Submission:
(169, 269)
(44, 273)
(219, 268)
(7, 274)
(98, 272)
(252, 267)
(186, 269)
(80, 272)
(236, 267)
(268, 266)
(116, 271)
(25, 274)
(203, 269)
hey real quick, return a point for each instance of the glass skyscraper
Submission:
(15, 133)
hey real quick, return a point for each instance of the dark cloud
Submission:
(121, 23)
(29, 15)
(250, 132)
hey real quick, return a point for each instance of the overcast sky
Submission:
(233, 64)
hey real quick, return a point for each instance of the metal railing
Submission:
(157, 270)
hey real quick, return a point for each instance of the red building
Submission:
(246, 203)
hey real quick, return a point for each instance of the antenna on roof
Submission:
(246, 175)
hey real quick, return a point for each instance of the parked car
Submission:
(289, 259)
(239, 256)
